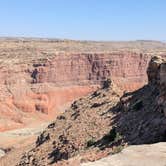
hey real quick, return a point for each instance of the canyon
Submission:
(42, 80)
(38, 78)
(104, 123)
(153, 154)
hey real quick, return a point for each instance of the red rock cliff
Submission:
(126, 69)
(157, 78)
(45, 86)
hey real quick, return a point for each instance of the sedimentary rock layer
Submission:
(39, 76)
(157, 78)
(43, 86)
(127, 69)
(104, 122)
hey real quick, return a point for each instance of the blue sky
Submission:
(84, 19)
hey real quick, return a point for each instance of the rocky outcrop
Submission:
(83, 121)
(127, 69)
(142, 155)
(102, 123)
(157, 78)
(43, 86)
(156, 71)
(38, 77)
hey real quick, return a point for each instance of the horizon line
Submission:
(79, 40)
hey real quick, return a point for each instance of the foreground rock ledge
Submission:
(140, 155)
(2, 153)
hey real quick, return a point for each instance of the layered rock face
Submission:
(145, 154)
(43, 86)
(41, 76)
(105, 122)
(125, 68)
(157, 78)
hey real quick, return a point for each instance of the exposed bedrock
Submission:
(104, 122)
(157, 78)
(128, 70)
(44, 86)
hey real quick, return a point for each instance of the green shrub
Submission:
(90, 143)
(107, 83)
(138, 105)
(118, 149)
(113, 135)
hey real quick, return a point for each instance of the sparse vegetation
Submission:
(61, 117)
(117, 149)
(137, 105)
(67, 136)
(112, 136)
(96, 105)
(95, 94)
(106, 83)
(91, 142)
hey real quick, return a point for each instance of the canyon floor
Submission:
(68, 102)
(15, 142)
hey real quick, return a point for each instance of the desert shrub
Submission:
(95, 94)
(94, 105)
(106, 83)
(61, 117)
(90, 142)
(111, 135)
(117, 149)
(52, 125)
(118, 137)
(74, 105)
(138, 105)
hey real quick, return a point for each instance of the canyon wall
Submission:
(43, 87)
(105, 122)
(157, 78)
(127, 69)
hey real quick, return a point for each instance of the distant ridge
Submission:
(64, 39)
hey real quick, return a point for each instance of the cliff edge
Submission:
(104, 123)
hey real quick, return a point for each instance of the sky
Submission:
(84, 19)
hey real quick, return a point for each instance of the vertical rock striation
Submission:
(44, 86)
(157, 78)
(127, 69)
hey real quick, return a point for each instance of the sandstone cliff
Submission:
(37, 79)
(145, 154)
(127, 69)
(157, 78)
(104, 123)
